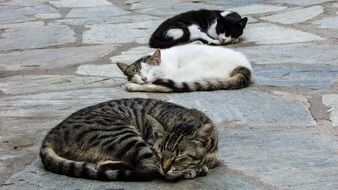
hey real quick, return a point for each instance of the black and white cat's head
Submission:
(144, 70)
(230, 26)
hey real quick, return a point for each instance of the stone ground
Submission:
(57, 56)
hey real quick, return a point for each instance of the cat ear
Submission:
(204, 133)
(123, 67)
(158, 128)
(157, 57)
(243, 22)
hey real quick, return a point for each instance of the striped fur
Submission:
(239, 78)
(131, 140)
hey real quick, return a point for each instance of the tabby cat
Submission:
(209, 26)
(132, 140)
(189, 67)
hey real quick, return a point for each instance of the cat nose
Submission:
(144, 79)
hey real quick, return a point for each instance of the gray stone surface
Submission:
(80, 3)
(274, 34)
(11, 14)
(330, 22)
(96, 12)
(236, 2)
(131, 55)
(179, 8)
(295, 16)
(247, 107)
(107, 70)
(23, 24)
(290, 54)
(331, 101)
(257, 9)
(284, 157)
(314, 77)
(36, 37)
(52, 58)
(107, 19)
(280, 133)
(111, 33)
(302, 2)
(34, 83)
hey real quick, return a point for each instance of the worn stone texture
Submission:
(107, 70)
(274, 34)
(52, 58)
(314, 77)
(329, 22)
(58, 56)
(36, 37)
(331, 101)
(246, 107)
(34, 83)
(295, 16)
(289, 54)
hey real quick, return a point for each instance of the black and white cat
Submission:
(209, 26)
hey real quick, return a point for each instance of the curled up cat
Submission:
(132, 140)
(208, 26)
(189, 67)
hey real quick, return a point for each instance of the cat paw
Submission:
(132, 87)
(189, 174)
(197, 42)
(214, 42)
(202, 171)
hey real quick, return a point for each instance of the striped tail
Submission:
(110, 171)
(239, 78)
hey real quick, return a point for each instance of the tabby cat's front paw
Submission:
(189, 174)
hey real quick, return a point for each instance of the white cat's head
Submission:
(144, 70)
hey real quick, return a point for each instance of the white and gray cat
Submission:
(189, 67)
(209, 26)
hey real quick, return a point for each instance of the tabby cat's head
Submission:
(182, 149)
(143, 70)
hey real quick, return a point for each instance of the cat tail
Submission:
(106, 171)
(159, 38)
(239, 78)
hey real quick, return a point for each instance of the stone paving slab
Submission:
(36, 37)
(274, 34)
(106, 70)
(111, 33)
(246, 107)
(80, 3)
(35, 83)
(290, 54)
(285, 157)
(303, 2)
(331, 100)
(314, 77)
(53, 58)
(257, 9)
(280, 133)
(330, 22)
(295, 16)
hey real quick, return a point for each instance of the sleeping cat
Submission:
(189, 67)
(132, 140)
(209, 26)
